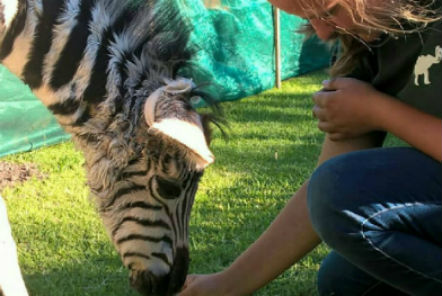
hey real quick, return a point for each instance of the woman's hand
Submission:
(203, 284)
(347, 108)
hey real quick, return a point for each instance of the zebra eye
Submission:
(168, 189)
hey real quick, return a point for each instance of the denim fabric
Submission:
(381, 211)
(337, 276)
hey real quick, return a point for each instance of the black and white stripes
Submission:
(108, 70)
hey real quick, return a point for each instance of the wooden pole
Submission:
(277, 44)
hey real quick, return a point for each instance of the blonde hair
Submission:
(393, 17)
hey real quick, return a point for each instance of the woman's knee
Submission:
(331, 195)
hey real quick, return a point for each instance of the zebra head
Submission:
(147, 215)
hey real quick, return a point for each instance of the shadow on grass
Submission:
(97, 276)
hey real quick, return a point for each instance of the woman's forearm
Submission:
(289, 237)
(287, 240)
(419, 129)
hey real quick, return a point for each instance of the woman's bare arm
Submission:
(289, 238)
(419, 129)
(347, 107)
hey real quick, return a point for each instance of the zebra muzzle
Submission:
(148, 284)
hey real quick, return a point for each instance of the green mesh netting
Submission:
(235, 38)
(25, 123)
(237, 47)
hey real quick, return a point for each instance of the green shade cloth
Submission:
(236, 56)
(25, 124)
(237, 49)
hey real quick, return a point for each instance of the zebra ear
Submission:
(188, 130)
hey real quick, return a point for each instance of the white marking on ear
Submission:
(190, 135)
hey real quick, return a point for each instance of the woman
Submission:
(379, 209)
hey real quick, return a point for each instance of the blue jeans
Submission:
(380, 210)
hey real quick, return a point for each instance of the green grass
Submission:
(272, 148)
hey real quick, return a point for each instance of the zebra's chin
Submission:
(147, 283)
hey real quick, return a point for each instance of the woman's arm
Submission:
(348, 107)
(286, 241)
(419, 129)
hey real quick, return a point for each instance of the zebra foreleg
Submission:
(11, 280)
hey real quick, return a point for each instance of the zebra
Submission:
(109, 70)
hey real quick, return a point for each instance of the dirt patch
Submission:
(12, 174)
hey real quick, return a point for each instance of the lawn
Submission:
(272, 148)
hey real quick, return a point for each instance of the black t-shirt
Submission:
(408, 67)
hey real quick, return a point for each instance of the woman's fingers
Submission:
(323, 97)
(325, 126)
(319, 113)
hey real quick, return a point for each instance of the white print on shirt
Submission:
(424, 63)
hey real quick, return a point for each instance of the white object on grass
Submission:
(11, 280)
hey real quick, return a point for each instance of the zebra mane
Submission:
(149, 51)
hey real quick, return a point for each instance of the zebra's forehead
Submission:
(8, 9)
